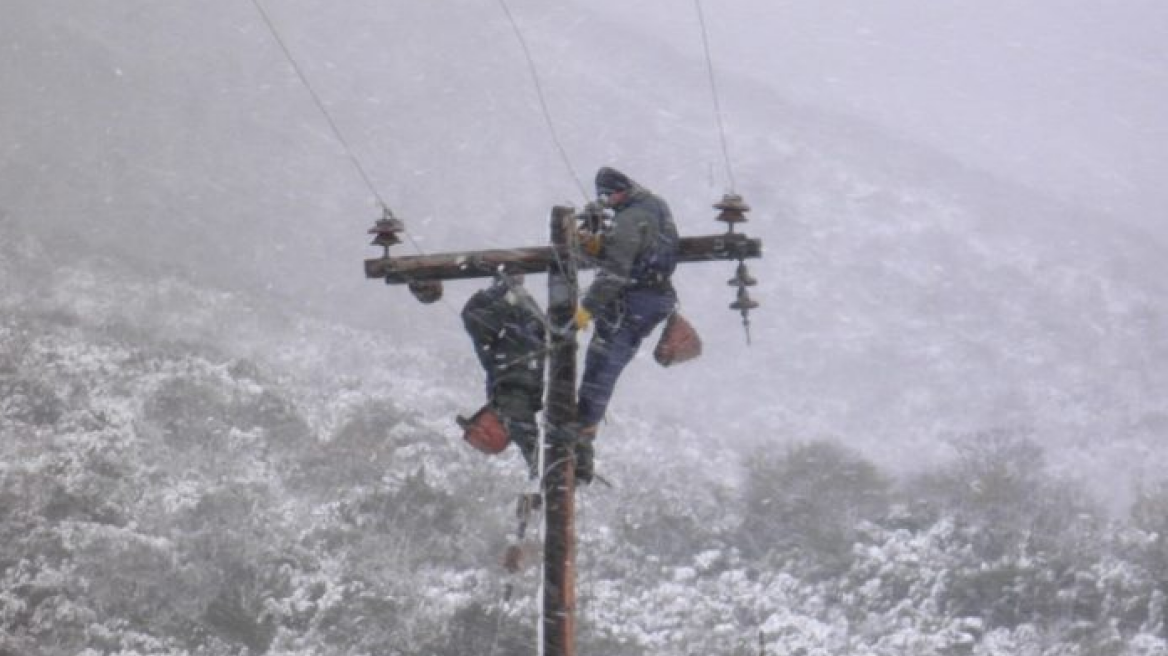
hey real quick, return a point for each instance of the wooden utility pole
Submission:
(559, 475)
(424, 275)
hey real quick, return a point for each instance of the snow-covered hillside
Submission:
(163, 495)
(962, 220)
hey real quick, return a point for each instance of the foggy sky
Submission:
(961, 202)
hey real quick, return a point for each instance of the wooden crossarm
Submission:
(539, 259)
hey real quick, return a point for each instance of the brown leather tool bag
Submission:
(679, 342)
(485, 431)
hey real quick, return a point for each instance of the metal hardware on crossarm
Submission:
(386, 230)
(733, 211)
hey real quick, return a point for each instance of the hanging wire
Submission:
(386, 213)
(320, 105)
(714, 93)
(547, 115)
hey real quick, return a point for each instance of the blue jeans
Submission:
(620, 328)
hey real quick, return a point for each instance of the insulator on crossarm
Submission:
(385, 240)
(742, 277)
(733, 210)
(386, 231)
(744, 303)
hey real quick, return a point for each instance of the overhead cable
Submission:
(547, 115)
(320, 105)
(714, 94)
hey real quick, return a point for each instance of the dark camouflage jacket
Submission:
(642, 227)
(507, 329)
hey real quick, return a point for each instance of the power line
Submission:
(547, 115)
(714, 93)
(386, 212)
(320, 105)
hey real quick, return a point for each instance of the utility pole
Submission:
(559, 475)
(423, 274)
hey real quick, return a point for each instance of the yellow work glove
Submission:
(591, 243)
(583, 316)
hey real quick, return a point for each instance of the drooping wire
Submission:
(385, 211)
(543, 105)
(320, 105)
(715, 95)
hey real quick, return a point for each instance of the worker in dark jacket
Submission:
(507, 328)
(630, 295)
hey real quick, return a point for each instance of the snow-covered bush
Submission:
(807, 502)
(176, 501)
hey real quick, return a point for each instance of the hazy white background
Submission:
(961, 202)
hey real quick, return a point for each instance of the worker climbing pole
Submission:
(561, 261)
(424, 275)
